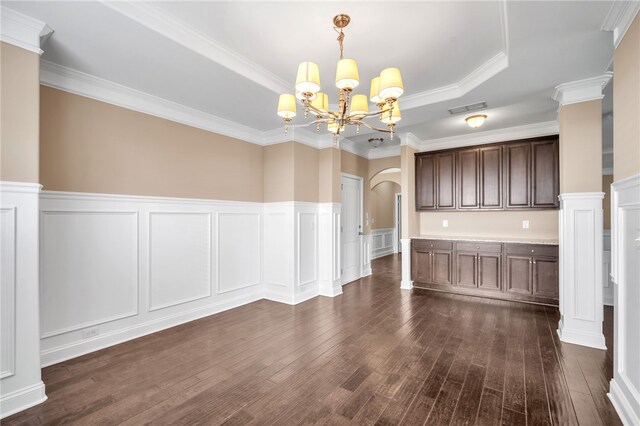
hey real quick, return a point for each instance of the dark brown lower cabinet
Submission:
(521, 272)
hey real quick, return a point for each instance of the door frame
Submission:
(397, 246)
(360, 180)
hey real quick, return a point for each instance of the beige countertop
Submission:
(514, 240)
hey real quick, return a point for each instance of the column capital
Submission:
(585, 90)
(23, 31)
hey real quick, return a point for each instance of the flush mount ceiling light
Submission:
(376, 142)
(352, 109)
(475, 121)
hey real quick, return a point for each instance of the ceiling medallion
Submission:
(475, 121)
(352, 109)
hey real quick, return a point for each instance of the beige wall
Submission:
(383, 204)
(329, 166)
(379, 164)
(278, 172)
(92, 146)
(607, 180)
(581, 147)
(626, 104)
(305, 174)
(410, 220)
(358, 166)
(19, 114)
(381, 177)
(502, 224)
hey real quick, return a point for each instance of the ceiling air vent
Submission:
(468, 108)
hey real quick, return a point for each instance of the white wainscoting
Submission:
(329, 249)
(115, 267)
(382, 242)
(607, 282)
(291, 252)
(20, 382)
(625, 244)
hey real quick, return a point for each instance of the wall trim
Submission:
(22, 31)
(406, 283)
(6, 186)
(578, 91)
(22, 399)
(618, 20)
(79, 348)
(491, 136)
(623, 406)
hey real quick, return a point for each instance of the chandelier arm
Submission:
(369, 114)
(320, 120)
(364, 123)
(324, 114)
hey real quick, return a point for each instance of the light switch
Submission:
(445, 223)
(525, 224)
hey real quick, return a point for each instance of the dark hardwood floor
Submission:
(375, 355)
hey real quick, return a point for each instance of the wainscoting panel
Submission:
(382, 242)
(625, 246)
(118, 267)
(329, 249)
(8, 291)
(89, 269)
(180, 258)
(239, 251)
(277, 244)
(307, 249)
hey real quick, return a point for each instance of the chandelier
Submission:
(352, 109)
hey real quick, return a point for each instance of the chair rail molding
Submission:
(581, 309)
(625, 272)
(21, 385)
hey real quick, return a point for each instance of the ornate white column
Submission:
(580, 217)
(329, 249)
(406, 283)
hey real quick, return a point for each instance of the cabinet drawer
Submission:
(532, 249)
(479, 247)
(432, 245)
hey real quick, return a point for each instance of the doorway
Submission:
(351, 228)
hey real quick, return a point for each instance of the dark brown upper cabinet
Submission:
(446, 186)
(517, 158)
(469, 178)
(502, 176)
(425, 182)
(544, 174)
(491, 177)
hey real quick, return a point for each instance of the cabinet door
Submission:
(491, 178)
(516, 160)
(422, 266)
(446, 180)
(490, 271)
(519, 274)
(425, 182)
(467, 269)
(544, 174)
(468, 177)
(441, 266)
(545, 277)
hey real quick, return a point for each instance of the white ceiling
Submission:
(231, 59)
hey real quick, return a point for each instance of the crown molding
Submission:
(480, 75)
(22, 31)
(619, 19)
(500, 135)
(79, 83)
(354, 148)
(155, 19)
(585, 90)
(409, 139)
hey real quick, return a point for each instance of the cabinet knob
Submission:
(533, 251)
(477, 247)
(432, 246)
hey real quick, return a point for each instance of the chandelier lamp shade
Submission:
(353, 109)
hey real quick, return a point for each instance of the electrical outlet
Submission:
(445, 223)
(90, 332)
(525, 224)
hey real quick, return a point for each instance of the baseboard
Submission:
(367, 271)
(623, 406)
(22, 399)
(406, 284)
(595, 341)
(331, 289)
(311, 292)
(377, 255)
(76, 349)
